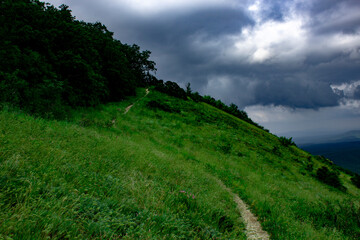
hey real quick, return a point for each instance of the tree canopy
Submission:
(49, 59)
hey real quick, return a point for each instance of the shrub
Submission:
(356, 180)
(287, 141)
(309, 167)
(196, 97)
(324, 160)
(276, 151)
(173, 89)
(329, 178)
(162, 106)
(226, 148)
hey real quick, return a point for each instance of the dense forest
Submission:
(50, 62)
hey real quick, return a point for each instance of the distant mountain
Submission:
(345, 154)
(350, 136)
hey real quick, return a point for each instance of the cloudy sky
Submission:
(293, 65)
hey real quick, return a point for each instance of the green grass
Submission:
(153, 174)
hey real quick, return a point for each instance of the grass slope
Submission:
(153, 174)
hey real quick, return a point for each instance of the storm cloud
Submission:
(252, 53)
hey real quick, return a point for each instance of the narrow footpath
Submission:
(130, 106)
(252, 225)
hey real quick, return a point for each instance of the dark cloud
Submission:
(194, 45)
(321, 6)
(357, 93)
(173, 33)
(334, 69)
(212, 22)
(296, 94)
(331, 16)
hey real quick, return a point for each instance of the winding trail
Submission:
(253, 228)
(130, 106)
(252, 225)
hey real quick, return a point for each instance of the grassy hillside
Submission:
(154, 173)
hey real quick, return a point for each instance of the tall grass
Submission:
(153, 174)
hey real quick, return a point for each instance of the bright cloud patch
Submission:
(149, 7)
(348, 90)
(271, 40)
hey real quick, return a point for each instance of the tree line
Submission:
(175, 90)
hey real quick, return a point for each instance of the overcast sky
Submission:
(293, 65)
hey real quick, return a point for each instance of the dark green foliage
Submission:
(226, 148)
(324, 160)
(286, 141)
(162, 106)
(330, 178)
(342, 169)
(170, 88)
(276, 151)
(188, 89)
(173, 89)
(196, 97)
(309, 167)
(225, 224)
(240, 154)
(356, 180)
(49, 60)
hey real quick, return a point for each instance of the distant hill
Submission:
(345, 154)
(349, 136)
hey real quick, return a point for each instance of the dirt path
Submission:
(252, 225)
(253, 228)
(130, 106)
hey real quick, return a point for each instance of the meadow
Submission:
(153, 173)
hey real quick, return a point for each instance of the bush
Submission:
(276, 151)
(162, 106)
(309, 167)
(226, 148)
(287, 141)
(324, 160)
(196, 97)
(356, 180)
(329, 178)
(173, 89)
